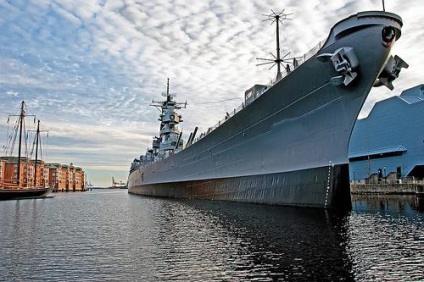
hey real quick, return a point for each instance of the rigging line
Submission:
(28, 112)
(9, 140)
(46, 144)
(6, 144)
(15, 135)
(24, 138)
(288, 42)
(214, 102)
(33, 147)
(8, 137)
(40, 147)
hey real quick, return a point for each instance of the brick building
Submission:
(61, 177)
(66, 177)
(10, 175)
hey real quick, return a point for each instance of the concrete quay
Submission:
(387, 188)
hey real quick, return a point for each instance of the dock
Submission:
(387, 188)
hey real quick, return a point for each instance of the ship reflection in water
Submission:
(403, 204)
(118, 236)
(251, 242)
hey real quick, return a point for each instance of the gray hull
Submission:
(290, 145)
(297, 188)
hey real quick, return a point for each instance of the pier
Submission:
(387, 188)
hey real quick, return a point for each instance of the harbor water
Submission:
(110, 235)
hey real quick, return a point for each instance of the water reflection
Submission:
(406, 205)
(111, 236)
(258, 242)
(386, 237)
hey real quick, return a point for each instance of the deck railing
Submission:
(300, 60)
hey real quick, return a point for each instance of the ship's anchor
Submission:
(345, 62)
(390, 72)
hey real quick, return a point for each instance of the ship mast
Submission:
(21, 120)
(169, 135)
(168, 96)
(37, 144)
(37, 136)
(277, 33)
(277, 18)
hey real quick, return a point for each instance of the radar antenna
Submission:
(277, 18)
(169, 100)
(166, 94)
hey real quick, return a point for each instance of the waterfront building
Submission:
(64, 178)
(10, 177)
(2, 167)
(67, 177)
(61, 177)
(9, 171)
(79, 177)
(390, 141)
(55, 177)
(42, 177)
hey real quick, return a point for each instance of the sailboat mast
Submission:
(36, 153)
(21, 120)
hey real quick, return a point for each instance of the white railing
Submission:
(300, 60)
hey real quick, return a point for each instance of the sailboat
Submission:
(19, 185)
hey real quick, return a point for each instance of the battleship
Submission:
(287, 144)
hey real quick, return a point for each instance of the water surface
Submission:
(111, 235)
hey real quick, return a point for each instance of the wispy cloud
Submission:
(89, 69)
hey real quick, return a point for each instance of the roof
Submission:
(413, 95)
(378, 151)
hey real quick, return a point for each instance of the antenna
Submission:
(168, 98)
(384, 8)
(161, 104)
(277, 18)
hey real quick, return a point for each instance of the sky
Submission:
(88, 69)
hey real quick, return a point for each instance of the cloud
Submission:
(90, 69)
